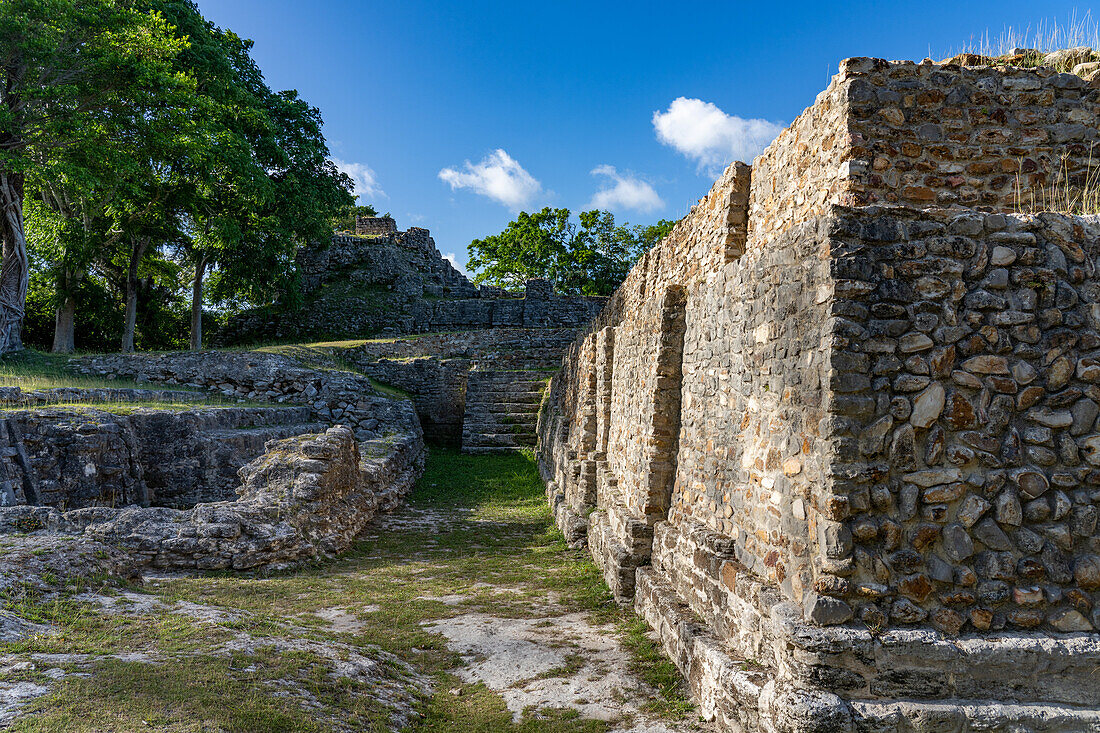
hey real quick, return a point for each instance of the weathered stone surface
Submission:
(403, 285)
(933, 381)
(928, 406)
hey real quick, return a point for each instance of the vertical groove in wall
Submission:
(666, 403)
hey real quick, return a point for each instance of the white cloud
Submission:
(703, 132)
(453, 259)
(498, 176)
(366, 185)
(624, 191)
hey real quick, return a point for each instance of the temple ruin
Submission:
(836, 436)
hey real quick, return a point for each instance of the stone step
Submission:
(502, 408)
(482, 440)
(494, 448)
(974, 715)
(489, 411)
(531, 398)
(527, 423)
(517, 431)
(254, 438)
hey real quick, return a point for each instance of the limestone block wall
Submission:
(334, 396)
(375, 226)
(819, 359)
(926, 134)
(753, 445)
(305, 499)
(610, 425)
(71, 458)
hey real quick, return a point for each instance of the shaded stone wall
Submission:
(71, 458)
(306, 498)
(437, 388)
(434, 370)
(334, 396)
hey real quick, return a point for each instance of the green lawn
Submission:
(496, 549)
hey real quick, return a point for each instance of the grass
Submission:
(32, 370)
(1067, 194)
(498, 550)
(1046, 36)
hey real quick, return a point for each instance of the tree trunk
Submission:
(14, 269)
(196, 304)
(64, 330)
(137, 252)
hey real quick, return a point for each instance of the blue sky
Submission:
(456, 115)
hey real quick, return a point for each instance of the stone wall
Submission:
(435, 369)
(79, 457)
(926, 134)
(965, 403)
(333, 396)
(374, 226)
(306, 498)
(817, 438)
(437, 387)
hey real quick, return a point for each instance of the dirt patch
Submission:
(341, 620)
(552, 662)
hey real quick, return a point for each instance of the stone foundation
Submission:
(71, 458)
(306, 498)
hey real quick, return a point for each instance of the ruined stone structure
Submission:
(478, 390)
(384, 280)
(210, 487)
(836, 435)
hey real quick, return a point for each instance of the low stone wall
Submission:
(70, 458)
(14, 396)
(306, 498)
(334, 397)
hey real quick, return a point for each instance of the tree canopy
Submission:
(588, 256)
(141, 149)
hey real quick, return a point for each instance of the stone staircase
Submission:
(502, 409)
(208, 447)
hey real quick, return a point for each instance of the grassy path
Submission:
(465, 611)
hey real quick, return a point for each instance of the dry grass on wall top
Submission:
(1047, 36)
(1067, 194)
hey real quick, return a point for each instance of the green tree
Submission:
(257, 181)
(589, 258)
(64, 65)
(345, 221)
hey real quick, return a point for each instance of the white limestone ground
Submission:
(553, 662)
(393, 682)
(344, 620)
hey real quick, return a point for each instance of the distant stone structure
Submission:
(375, 226)
(836, 435)
(387, 281)
(479, 390)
